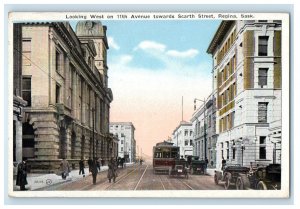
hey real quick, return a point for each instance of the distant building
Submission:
(183, 138)
(247, 76)
(127, 143)
(64, 82)
(204, 129)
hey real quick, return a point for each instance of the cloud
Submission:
(112, 43)
(125, 59)
(191, 53)
(158, 50)
(151, 45)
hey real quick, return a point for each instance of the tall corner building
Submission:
(247, 78)
(124, 131)
(64, 82)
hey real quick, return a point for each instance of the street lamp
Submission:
(205, 142)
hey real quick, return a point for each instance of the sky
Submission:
(152, 65)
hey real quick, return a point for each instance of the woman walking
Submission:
(112, 170)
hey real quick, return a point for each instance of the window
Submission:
(209, 121)
(191, 143)
(26, 52)
(227, 150)
(222, 76)
(122, 141)
(222, 100)
(185, 132)
(71, 86)
(228, 95)
(263, 45)
(232, 119)
(26, 90)
(57, 94)
(262, 112)
(234, 64)
(221, 125)
(186, 143)
(233, 90)
(262, 77)
(191, 133)
(233, 150)
(262, 147)
(121, 149)
(58, 62)
(227, 70)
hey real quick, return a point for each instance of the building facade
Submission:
(127, 143)
(182, 137)
(64, 80)
(204, 129)
(18, 102)
(247, 76)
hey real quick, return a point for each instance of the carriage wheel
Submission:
(216, 179)
(261, 186)
(242, 182)
(227, 181)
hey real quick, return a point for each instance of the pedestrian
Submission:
(90, 163)
(64, 168)
(122, 162)
(102, 162)
(223, 163)
(112, 170)
(99, 163)
(22, 175)
(94, 170)
(81, 167)
(206, 165)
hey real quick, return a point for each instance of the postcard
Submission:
(128, 104)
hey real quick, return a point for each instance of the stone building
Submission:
(64, 75)
(204, 129)
(18, 102)
(124, 131)
(182, 137)
(247, 76)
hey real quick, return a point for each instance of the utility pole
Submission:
(182, 108)
(205, 141)
(94, 168)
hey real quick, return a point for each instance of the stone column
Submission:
(78, 143)
(46, 142)
(68, 143)
(18, 126)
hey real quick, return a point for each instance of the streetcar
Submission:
(164, 156)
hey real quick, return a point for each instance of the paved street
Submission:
(136, 177)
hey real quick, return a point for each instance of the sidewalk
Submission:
(38, 181)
